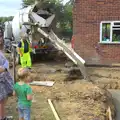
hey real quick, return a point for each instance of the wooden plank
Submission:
(116, 101)
(53, 110)
(43, 83)
(116, 65)
(109, 114)
(14, 65)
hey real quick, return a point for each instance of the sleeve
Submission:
(19, 44)
(29, 90)
(6, 64)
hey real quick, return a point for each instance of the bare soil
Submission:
(107, 78)
(74, 100)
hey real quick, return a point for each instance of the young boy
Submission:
(24, 94)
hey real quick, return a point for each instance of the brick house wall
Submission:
(87, 15)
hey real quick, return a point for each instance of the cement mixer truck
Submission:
(37, 22)
(28, 20)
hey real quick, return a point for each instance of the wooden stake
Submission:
(53, 110)
(14, 59)
(109, 114)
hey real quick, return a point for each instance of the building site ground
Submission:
(73, 98)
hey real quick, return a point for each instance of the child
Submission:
(24, 94)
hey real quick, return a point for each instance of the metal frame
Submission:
(111, 31)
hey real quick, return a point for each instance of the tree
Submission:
(27, 2)
(63, 13)
(10, 18)
(4, 19)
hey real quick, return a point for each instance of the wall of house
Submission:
(87, 15)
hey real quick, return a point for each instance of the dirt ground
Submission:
(73, 99)
(105, 77)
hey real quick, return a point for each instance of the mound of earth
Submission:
(81, 101)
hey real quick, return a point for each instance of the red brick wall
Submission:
(87, 15)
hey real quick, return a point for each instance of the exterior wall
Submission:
(87, 15)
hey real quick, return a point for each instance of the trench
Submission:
(116, 101)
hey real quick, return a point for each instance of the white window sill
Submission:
(109, 42)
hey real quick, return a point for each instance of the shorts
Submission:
(24, 112)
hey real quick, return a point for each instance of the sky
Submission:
(10, 7)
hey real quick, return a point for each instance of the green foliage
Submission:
(4, 19)
(115, 38)
(27, 2)
(63, 12)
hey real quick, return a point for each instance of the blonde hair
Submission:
(23, 73)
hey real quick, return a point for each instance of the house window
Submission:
(110, 32)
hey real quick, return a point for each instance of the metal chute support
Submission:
(71, 54)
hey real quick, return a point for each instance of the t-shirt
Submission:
(22, 91)
(26, 46)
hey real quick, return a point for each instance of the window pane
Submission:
(116, 27)
(116, 36)
(117, 23)
(106, 31)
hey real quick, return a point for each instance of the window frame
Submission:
(111, 32)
